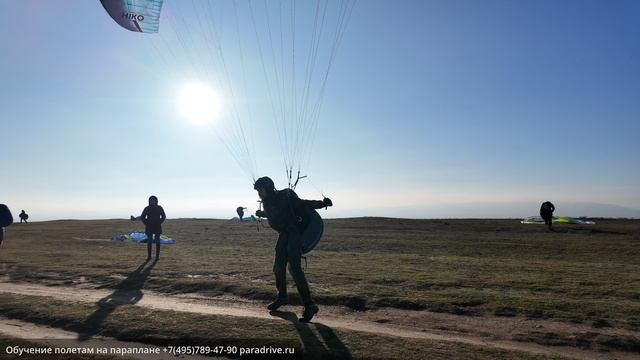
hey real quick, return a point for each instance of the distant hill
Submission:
(499, 210)
(597, 210)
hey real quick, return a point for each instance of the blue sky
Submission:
(432, 109)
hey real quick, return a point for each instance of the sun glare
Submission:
(199, 103)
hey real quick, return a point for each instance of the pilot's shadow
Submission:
(323, 345)
(127, 292)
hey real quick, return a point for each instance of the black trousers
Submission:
(150, 240)
(289, 250)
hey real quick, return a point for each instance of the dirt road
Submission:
(497, 332)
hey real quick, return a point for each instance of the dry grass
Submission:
(473, 267)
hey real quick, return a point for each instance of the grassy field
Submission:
(470, 267)
(498, 269)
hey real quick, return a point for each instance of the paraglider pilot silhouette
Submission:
(153, 216)
(240, 210)
(285, 212)
(546, 212)
(23, 217)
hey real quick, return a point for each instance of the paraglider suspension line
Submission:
(298, 178)
(259, 222)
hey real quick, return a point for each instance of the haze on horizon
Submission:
(434, 109)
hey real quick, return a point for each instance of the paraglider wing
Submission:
(135, 15)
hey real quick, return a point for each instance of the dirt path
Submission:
(497, 332)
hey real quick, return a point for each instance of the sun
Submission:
(198, 103)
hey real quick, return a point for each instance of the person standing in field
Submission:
(240, 210)
(6, 219)
(546, 212)
(23, 217)
(284, 210)
(153, 216)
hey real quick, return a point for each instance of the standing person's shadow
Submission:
(325, 345)
(127, 292)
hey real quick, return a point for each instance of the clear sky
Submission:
(432, 109)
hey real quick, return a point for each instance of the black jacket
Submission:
(284, 208)
(153, 216)
(547, 209)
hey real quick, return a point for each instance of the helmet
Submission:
(264, 183)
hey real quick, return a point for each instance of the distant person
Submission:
(23, 217)
(153, 216)
(284, 210)
(6, 219)
(240, 210)
(546, 212)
